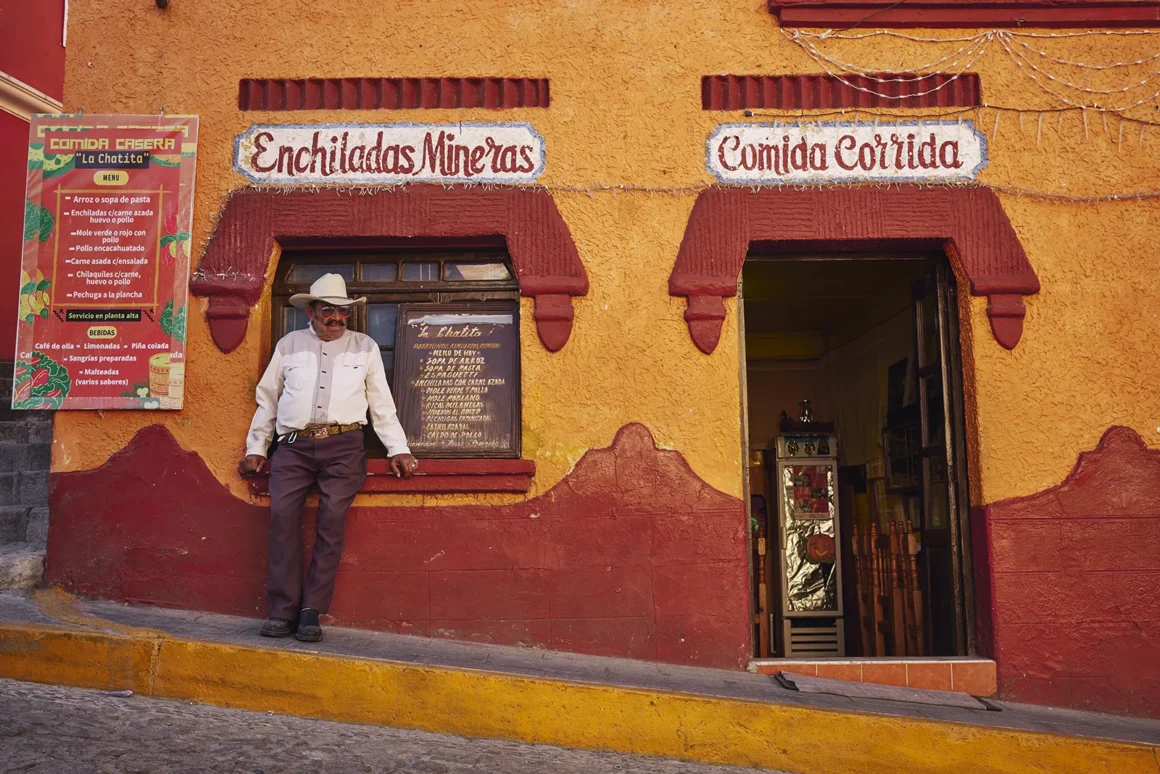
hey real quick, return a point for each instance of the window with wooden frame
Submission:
(400, 285)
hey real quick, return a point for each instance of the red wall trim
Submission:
(960, 13)
(819, 92)
(630, 554)
(438, 477)
(969, 223)
(391, 93)
(234, 267)
(1071, 605)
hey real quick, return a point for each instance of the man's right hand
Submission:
(253, 463)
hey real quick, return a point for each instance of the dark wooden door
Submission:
(945, 537)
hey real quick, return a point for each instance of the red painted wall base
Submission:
(1071, 611)
(631, 554)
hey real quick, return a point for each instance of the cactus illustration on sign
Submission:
(173, 322)
(38, 221)
(39, 383)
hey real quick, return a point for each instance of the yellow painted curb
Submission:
(45, 654)
(61, 606)
(546, 711)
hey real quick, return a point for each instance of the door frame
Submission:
(750, 538)
(947, 368)
(951, 357)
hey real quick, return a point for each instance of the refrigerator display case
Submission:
(806, 489)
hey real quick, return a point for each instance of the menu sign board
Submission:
(457, 379)
(105, 270)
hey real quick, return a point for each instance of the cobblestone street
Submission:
(59, 730)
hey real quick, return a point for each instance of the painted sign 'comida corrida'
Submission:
(361, 154)
(846, 152)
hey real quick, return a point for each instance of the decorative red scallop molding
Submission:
(968, 223)
(820, 92)
(391, 93)
(866, 14)
(236, 262)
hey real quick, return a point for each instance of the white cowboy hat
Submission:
(329, 288)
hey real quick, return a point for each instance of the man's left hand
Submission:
(404, 465)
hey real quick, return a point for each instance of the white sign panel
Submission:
(846, 152)
(368, 154)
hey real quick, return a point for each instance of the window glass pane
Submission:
(420, 272)
(293, 319)
(379, 272)
(381, 323)
(308, 272)
(475, 272)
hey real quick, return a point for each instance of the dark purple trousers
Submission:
(338, 465)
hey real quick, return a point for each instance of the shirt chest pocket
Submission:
(299, 371)
(349, 382)
(298, 377)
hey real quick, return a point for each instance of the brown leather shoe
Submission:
(309, 629)
(277, 627)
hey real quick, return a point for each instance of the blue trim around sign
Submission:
(394, 179)
(845, 178)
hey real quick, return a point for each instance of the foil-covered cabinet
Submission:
(806, 482)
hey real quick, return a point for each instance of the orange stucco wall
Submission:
(625, 83)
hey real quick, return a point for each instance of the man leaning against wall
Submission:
(315, 396)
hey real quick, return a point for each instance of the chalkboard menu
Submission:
(457, 379)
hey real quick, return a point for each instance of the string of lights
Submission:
(1007, 189)
(592, 189)
(1034, 72)
(826, 63)
(1030, 59)
(859, 35)
(949, 115)
(851, 35)
(675, 191)
(973, 49)
(1084, 65)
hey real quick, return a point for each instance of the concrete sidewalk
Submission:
(589, 702)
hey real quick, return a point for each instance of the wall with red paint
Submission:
(1071, 609)
(31, 51)
(13, 167)
(32, 43)
(631, 554)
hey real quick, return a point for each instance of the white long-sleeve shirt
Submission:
(311, 381)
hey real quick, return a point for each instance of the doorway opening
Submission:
(857, 477)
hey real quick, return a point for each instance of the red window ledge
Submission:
(439, 477)
(966, 13)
